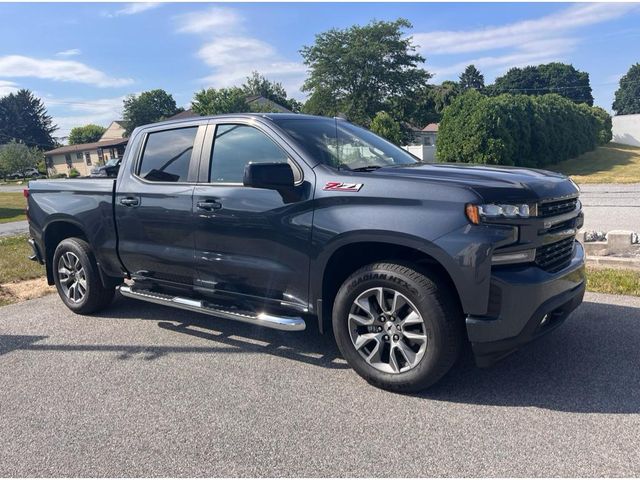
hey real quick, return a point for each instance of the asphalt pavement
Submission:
(144, 390)
(14, 228)
(611, 206)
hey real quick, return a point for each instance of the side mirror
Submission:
(273, 176)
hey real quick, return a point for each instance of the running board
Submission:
(289, 324)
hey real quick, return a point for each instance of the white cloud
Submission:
(59, 70)
(133, 9)
(73, 112)
(517, 44)
(519, 34)
(213, 21)
(7, 87)
(234, 56)
(69, 53)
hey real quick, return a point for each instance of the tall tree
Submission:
(555, 77)
(148, 107)
(444, 94)
(257, 84)
(471, 78)
(214, 101)
(627, 99)
(358, 71)
(87, 134)
(24, 118)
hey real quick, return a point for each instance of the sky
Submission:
(82, 59)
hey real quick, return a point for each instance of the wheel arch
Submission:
(354, 252)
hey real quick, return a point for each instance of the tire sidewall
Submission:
(427, 370)
(72, 245)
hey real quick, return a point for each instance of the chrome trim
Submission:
(289, 324)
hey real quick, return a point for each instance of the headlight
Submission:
(496, 211)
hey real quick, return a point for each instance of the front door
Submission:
(153, 205)
(251, 244)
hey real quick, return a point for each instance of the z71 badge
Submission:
(343, 187)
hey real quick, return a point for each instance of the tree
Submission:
(257, 84)
(217, 101)
(24, 118)
(558, 78)
(358, 71)
(387, 127)
(443, 95)
(87, 134)
(148, 107)
(471, 78)
(627, 98)
(17, 157)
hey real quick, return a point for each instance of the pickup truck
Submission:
(291, 222)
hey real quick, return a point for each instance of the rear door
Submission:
(251, 244)
(154, 201)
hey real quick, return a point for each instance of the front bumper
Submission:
(525, 303)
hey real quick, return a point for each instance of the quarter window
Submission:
(237, 145)
(167, 154)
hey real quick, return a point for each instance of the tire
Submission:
(74, 263)
(419, 295)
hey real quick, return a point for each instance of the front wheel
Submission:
(77, 277)
(398, 328)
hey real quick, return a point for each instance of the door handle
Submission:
(209, 205)
(130, 201)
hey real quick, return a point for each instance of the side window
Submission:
(237, 145)
(167, 154)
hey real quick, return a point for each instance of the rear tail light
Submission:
(25, 192)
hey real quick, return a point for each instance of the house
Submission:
(423, 144)
(86, 156)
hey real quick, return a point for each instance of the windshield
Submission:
(340, 144)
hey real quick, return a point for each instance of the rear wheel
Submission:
(77, 277)
(399, 328)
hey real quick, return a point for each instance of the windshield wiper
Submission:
(370, 168)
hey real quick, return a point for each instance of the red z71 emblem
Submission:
(343, 187)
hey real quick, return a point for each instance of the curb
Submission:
(619, 263)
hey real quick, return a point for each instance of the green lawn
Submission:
(612, 163)
(12, 205)
(15, 265)
(609, 280)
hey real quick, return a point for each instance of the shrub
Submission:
(60, 175)
(519, 130)
(73, 173)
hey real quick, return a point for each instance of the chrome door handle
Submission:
(130, 202)
(209, 205)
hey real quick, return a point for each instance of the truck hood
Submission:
(492, 183)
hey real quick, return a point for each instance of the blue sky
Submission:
(83, 58)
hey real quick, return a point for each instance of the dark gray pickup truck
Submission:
(291, 222)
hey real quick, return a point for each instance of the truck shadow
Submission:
(591, 364)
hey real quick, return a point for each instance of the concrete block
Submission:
(619, 241)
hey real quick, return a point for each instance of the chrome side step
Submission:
(267, 320)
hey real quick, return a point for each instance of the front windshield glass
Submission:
(340, 144)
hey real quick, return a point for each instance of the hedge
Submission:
(520, 130)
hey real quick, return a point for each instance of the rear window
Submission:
(167, 154)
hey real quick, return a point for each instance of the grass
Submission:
(14, 260)
(609, 280)
(611, 163)
(12, 205)
(15, 266)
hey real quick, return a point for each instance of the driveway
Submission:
(611, 206)
(14, 228)
(144, 390)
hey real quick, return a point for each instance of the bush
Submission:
(73, 173)
(519, 130)
(59, 175)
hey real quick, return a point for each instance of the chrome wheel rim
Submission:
(71, 275)
(387, 330)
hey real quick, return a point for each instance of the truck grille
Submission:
(555, 256)
(557, 207)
